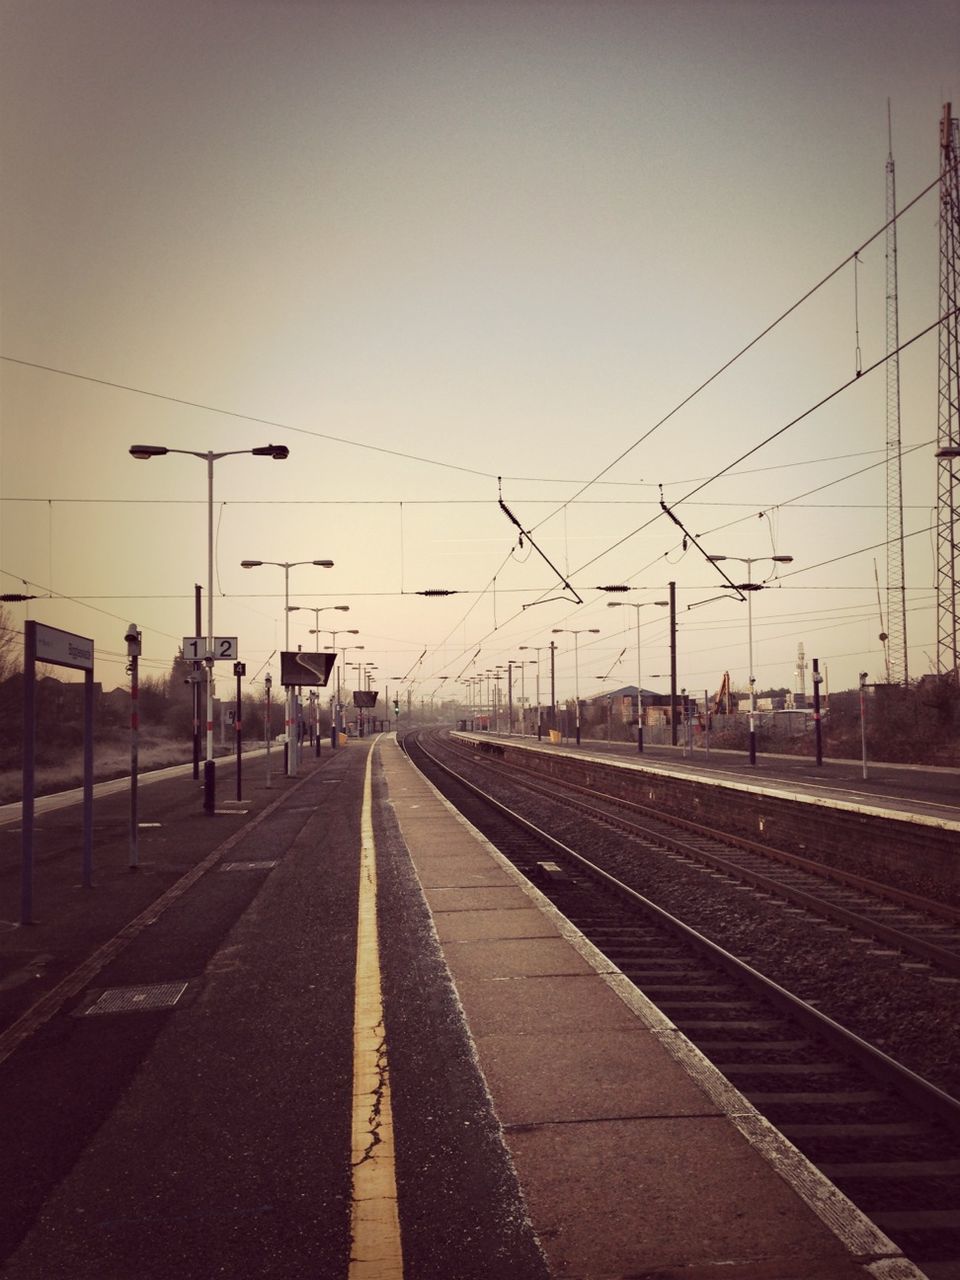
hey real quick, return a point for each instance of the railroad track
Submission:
(914, 925)
(884, 1136)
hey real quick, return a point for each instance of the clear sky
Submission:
(428, 244)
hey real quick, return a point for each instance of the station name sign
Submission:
(63, 649)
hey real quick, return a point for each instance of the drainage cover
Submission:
(161, 995)
(248, 866)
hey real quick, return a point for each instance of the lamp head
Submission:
(276, 451)
(782, 559)
(250, 564)
(144, 451)
(343, 608)
(324, 564)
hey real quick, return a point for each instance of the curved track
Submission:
(884, 1135)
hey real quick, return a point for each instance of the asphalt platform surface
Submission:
(212, 1138)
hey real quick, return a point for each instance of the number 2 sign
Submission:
(224, 648)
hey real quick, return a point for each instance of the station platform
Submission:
(929, 794)
(389, 1057)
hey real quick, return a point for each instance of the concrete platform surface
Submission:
(634, 1158)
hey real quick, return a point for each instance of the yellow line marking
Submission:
(375, 1252)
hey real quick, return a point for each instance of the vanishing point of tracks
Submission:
(884, 1135)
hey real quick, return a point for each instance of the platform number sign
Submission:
(224, 648)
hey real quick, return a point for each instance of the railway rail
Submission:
(916, 925)
(883, 1134)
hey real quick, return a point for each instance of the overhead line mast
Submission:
(948, 425)
(896, 648)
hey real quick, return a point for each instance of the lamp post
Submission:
(314, 631)
(338, 709)
(293, 745)
(267, 686)
(537, 650)
(324, 608)
(750, 586)
(511, 663)
(576, 663)
(627, 604)
(143, 452)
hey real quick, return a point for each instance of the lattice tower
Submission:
(948, 429)
(897, 672)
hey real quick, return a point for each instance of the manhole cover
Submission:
(162, 995)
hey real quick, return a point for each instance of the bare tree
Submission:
(11, 645)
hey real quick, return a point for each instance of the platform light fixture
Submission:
(143, 453)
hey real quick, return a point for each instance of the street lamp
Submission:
(293, 744)
(537, 650)
(576, 664)
(316, 611)
(627, 604)
(143, 453)
(350, 631)
(324, 608)
(750, 586)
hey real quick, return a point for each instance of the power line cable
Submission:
(743, 351)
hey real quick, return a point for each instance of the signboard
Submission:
(63, 648)
(224, 648)
(365, 698)
(305, 668)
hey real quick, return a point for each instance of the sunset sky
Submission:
(437, 247)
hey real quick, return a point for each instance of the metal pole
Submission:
(335, 731)
(863, 719)
(510, 696)
(673, 663)
(576, 681)
(817, 724)
(639, 687)
(706, 724)
(290, 748)
(267, 727)
(29, 770)
(553, 685)
(134, 758)
(88, 779)
(195, 690)
(239, 727)
(209, 767)
(539, 712)
(751, 677)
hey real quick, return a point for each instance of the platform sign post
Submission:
(60, 648)
(239, 670)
